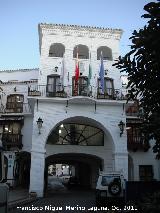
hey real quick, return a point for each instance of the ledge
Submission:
(79, 100)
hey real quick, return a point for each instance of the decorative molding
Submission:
(81, 31)
(79, 27)
(22, 70)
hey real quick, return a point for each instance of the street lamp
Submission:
(121, 127)
(39, 124)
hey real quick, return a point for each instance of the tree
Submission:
(142, 64)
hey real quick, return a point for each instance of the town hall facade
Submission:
(56, 118)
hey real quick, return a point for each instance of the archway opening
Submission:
(106, 52)
(56, 50)
(67, 171)
(21, 169)
(81, 144)
(82, 50)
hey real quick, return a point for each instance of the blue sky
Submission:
(19, 24)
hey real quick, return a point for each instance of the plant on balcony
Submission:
(142, 64)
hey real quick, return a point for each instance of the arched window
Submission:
(83, 51)
(76, 134)
(106, 52)
(56, 50)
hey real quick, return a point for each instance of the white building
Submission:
(80, 123)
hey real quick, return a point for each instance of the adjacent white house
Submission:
(82, 116)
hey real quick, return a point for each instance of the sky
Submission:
(19, 42)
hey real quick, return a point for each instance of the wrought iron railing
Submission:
(132, 110)
(16, 107)
(72, 90)
(137, 142)
(109, 93)
(10, 140)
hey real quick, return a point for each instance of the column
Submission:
(121, 163)
(37, 173)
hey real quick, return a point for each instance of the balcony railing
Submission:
(136, 142)
(11, 140)
(17, 107)
(109, 93)
(132, 110)
(70, 90)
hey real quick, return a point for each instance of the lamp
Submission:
(106, 71)
(56, 69)
(121, 127)
(39, 124)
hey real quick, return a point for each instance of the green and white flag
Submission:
(89, 72)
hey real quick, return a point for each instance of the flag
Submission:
(62, 76)
(77, 69)
(76, 75)
(101, 75)
(90, 71)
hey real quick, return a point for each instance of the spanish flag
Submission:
(77, 69)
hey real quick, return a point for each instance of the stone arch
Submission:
(83, 51)
(56, 50)
(106, 51)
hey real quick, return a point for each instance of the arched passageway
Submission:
(83, 145)
(83, 169)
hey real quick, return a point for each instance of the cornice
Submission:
(81, 31)
(19, 70)
(18, 82)
(79, 27)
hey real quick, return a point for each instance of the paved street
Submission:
(77, 201)
(62, 202)
(60, 199)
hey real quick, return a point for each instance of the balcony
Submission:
(136, 142)
(47, 91)
(70, 90)
(17, 107)
(132, 111)
(109, 93)
(11, 141)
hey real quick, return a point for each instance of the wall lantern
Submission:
(106, 71)
(56, 69)
(39, 124)
(121, 127)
